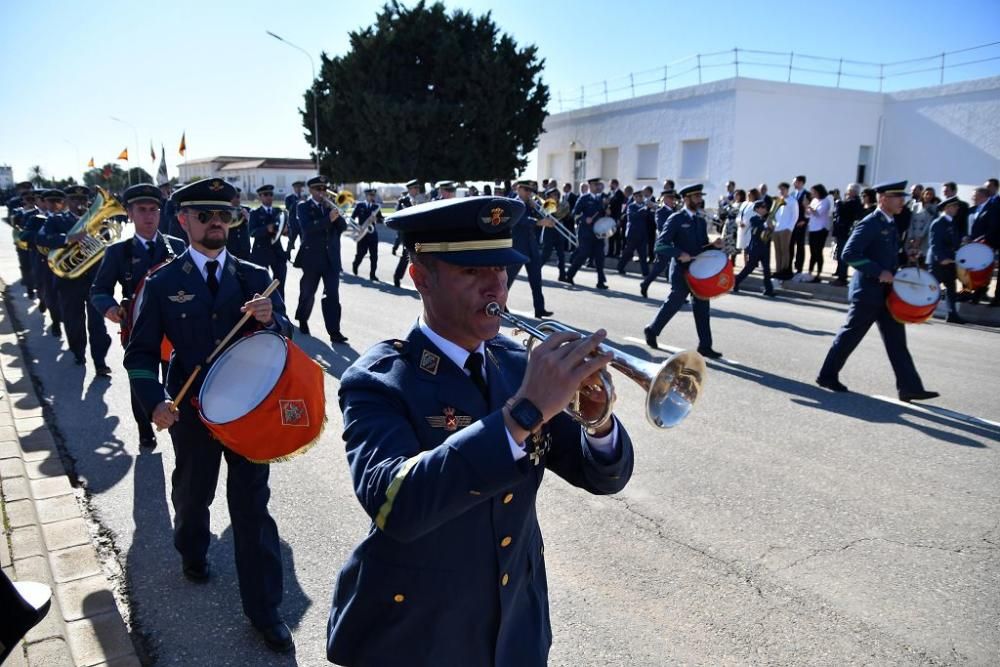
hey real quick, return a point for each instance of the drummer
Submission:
(195, 301)
(684, 235)
(873, 251)
(945, 239)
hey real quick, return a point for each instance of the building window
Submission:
(609, 163)
(580, 166)
(646, 161)
(694, 159)
(552, 167)
(864, 159)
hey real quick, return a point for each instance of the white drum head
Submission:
(916, 287)
(708, 263)
(974, 256)
(242, 377)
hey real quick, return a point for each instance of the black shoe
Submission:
(709, 353)
(41, 306)
(354, 269)
(197, 572)
(650, 338)
(55, 329)
(277, 637)
(103, 370)
(539, 314)
(832, 385)
(568, 280)
(304, 327)
(78, 360)
(337, 338)
(374, 279)
(395, 282)
(602, 286)
(736, 289)
(839, 282)
(922, 395)
(621, 272)
(814, 280)
(770, 294)
(644, 290)
(147, 442)
(38, 598)
(955, 319)
(561, 278)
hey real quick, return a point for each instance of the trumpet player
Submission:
(406, 201)
(448, 433)
(367, 214)
(526, 243)
(83, 321)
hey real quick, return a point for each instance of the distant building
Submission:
(6, 177)
(754, 131)
(249, 173)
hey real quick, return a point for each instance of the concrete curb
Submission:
(47, 537)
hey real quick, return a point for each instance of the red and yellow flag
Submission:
(90, 163)
(183, 146)
(123, 155)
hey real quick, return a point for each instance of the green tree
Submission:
(36, 175)
(430, 95)
(113, 178)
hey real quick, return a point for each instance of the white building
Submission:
(754, 131)
(6, 177)
(249, 173)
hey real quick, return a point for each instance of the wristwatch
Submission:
(526, 415)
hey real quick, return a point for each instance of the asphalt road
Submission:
(780, 524)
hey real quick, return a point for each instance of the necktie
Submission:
(150, 248)
(474, 364)
(212, 280)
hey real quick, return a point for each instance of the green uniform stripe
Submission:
(139, 374)
(390, 493)
(859, 262)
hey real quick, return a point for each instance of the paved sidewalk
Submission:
(47, 538)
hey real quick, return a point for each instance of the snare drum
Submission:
(914, 296)
(710, 274)
(604, 228)
(166, 347)
(263, 398)
(974, 265)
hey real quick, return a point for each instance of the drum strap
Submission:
(129, 286)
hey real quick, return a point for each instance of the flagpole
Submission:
(135, 133)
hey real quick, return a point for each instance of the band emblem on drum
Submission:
(181, 297)
(449, 421)
(723, 280)
(293, 413)
(429, 362)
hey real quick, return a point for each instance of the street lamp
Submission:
(315, 94)
(136, 134)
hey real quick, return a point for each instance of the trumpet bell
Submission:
(344, 198)
(674, 388)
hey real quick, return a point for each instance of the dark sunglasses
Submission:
(321, 188)
(205, 217)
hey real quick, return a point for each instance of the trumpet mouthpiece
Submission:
(493, 309)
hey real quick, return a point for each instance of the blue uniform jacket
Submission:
(944, 241)
(363, 209)
(872, 247)
(177, 304)
(125, 263)
(637, 221)
(662, 214)
(757, 245)
(55, 230)
(682, 232)
(320, 248)
(291, 204)
(452, 570)
(168, 219)
(588, 205)
(32, 223)
(524, 235)
(238, 242)
(265, 250)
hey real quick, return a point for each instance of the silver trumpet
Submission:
(671, 387)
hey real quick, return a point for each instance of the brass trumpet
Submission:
(547, 208)
(671, 387)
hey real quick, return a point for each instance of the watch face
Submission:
(526, 414)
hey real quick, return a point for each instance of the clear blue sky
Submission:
(208, 68)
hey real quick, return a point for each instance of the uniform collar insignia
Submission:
(449, 421)
(231, 267)
(181, 297)
(136, 260)
(429, 362)
(187, 267)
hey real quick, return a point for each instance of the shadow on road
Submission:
(770, 324)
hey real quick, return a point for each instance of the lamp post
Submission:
(312, 64)
(136, 135)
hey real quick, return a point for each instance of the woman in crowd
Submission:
(820, 223)
(743, 231)
(730, 225)
(923, 213)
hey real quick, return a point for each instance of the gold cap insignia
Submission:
(497, 217)
(215, 186)
(429, 362)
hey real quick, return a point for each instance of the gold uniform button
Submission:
(505, 542)
(509, 497)
(398, 597)
(504, 579)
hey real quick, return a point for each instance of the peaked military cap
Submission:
(206, 194)
(371, 191)
(470, 231)
(78, 191)
(948, 201)
(594, 180)
(669, 192)
(265, 190)
(318, 180)
(53, 194)
(695, 189)
(141, 192)
(552, 191)
(527, 183)
(25, 185)
(760, 203)
(895, 188)
(298, 184)
(239, 190)
(413, 184)
(445, 185)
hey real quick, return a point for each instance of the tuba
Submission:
(74, 259)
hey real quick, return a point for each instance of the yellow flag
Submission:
(123, 155)
(91, 162)
(183, 146)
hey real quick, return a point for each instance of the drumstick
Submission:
(218, 348)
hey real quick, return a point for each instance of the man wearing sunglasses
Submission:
(267, 250)
(195, 301)
(320, 225)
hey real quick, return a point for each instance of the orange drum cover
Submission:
(974, 263)
(263, 398)
(914, 296)
(710, 274)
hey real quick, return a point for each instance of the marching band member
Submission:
(449, 432)
(34, 221)
(445, 190)
(945, 240)
(82, 320)
(125, 263)
(638, 218)
(406, 201)
(267, 250)
(16, 207)
(239, 234)
(320, 225)
(291, 204)
(168, 221)
(684, 236)
(589, 207)
(758, 248)
(369, 242)
(195, 300)
(668, 201)
(526, 243)
(554, 240)
(873, 251)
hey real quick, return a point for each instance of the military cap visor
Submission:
(25, 185)
(593, 180)
(141, 192)
(413, 184)
(298, 184)
(895, 188)
(760, 203)
(206, 194)
(54, 194)
(470, 231)
(948, 202)
(317, 180)
(695, 189)
(265, 190)
(371, 191)
(78, 191)
(668, 193)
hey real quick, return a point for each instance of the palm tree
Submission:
(36, 176)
